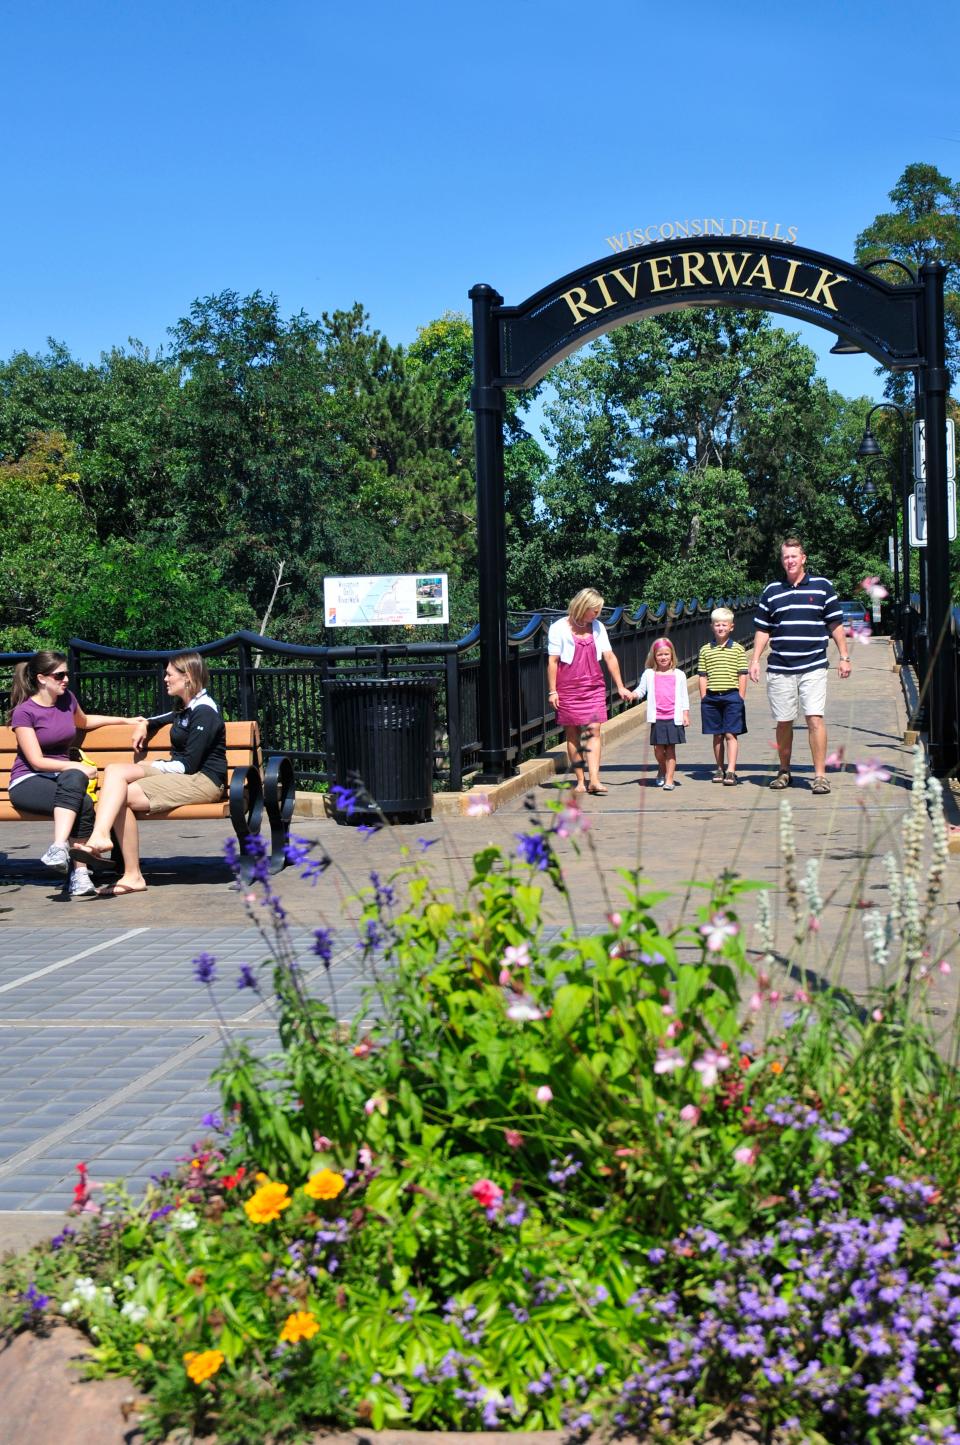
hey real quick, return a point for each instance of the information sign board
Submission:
(919, 456)
(918, 514)
(399, 600)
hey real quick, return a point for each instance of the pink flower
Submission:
(871, 772)
(322, 1143)
(756, 1002)
(861, 632)
(488, 1194)
(667, 1060)
(514, 1138)
(376, 1103)
(877, 1015)
(801, 996)
(517, 955)
(544, 1094)
(690, 1114)
(524, 1010)
(674, 1027)
(720, 928)
(479, 806)
(746, 1154)
(943, 966)
(835, 760)
(710, 1065)
(774, 995)
(365, 1156)
(505, 977)
(614, 920)
(874, 588)
(571, 820)
(617, 950)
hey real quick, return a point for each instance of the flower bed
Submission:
(636, 1181)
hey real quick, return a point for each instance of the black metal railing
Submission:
(282, 685)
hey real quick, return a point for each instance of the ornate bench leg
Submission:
(279, 786)
(246, 811)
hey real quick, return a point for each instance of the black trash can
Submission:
(380, 730)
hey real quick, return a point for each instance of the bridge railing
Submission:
(283, 686)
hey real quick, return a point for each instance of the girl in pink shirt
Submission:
(664, 686)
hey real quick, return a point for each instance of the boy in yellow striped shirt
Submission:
(722, 672)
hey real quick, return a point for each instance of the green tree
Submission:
(47, 537)
(924, 225)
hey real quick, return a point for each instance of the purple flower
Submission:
(212, 1121)
(322, 945)
(385, 895)
(367, 830)
(205, 968)
(246, 978)
(426, 843)
(345, 799)
(34, 1302)
(295, 850)
(374, 938)
(534, 850)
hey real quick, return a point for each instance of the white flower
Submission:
(184, 1220)
(134, 1312)
(517, 955)
(524, 1010)
(667, 1060)
(544, 1094)
(84, 1289)
(719, 928)
(871, 772)
(874, 588)
(70, 1306)
(479, 806)
(746, 1154)
(709, 1065)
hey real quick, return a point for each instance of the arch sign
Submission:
(514, 346)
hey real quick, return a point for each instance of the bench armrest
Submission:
(280, 796)
(246, 809)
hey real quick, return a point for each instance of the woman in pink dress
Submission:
(576, 645)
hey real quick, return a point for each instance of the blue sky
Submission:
(396, 154)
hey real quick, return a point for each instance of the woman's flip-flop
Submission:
(83, 853)
(598, 790)
(118, 890)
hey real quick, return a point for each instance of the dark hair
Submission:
(26, 675)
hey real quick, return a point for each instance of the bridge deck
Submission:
(106, 1041)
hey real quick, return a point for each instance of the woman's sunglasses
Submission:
(59, 676)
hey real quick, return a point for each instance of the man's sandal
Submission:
(718, 775)
(781, 781)
(820, 785)
(730, 780)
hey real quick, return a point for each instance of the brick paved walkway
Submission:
(107, 1041)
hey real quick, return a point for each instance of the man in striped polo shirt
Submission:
(795, 617)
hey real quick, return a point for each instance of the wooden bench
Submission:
(251, 787)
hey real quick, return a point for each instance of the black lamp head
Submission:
(869, 447)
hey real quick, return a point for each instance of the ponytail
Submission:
(26, 675)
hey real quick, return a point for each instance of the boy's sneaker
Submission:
(661, 780)
(81, 884)
(57, 857)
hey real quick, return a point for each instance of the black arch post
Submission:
(486, 401)
(942, 726)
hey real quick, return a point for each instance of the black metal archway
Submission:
(514, 346)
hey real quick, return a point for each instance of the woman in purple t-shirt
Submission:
(47, 719)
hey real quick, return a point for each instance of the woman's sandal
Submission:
(820, 785)
(598, 790)
(730, 780)
(781, 781)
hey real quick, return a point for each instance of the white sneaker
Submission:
(661, 780)
(57, 857)
(81, 884)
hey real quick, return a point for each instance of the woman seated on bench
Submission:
(196, 772)
(48, 721)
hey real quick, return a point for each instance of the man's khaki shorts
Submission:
(172, 790)
(790, 694)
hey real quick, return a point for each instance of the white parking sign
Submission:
(920, 460)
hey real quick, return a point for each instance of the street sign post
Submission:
(918, 513)
(919, 456)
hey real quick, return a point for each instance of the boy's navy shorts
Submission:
(723, 712)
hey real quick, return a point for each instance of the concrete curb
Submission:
(529, 775)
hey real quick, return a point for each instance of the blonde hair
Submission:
(586, 600)
(661, 642)
(721, 614)
(194, 669)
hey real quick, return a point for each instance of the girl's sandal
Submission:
(781, 781)
(730, 780)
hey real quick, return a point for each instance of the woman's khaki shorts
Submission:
(172, 790)
(788, 693)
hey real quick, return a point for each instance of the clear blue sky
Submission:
(396, 154)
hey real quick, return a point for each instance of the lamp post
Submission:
(870, 448)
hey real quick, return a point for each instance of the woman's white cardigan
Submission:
(681, 703)
(560, 640)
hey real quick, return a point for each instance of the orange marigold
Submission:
(268, 1202)
(325, 1185)
(201, 1366)
(299, 1326)
(776, 1067)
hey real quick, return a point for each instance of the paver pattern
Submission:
(107, 1041)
